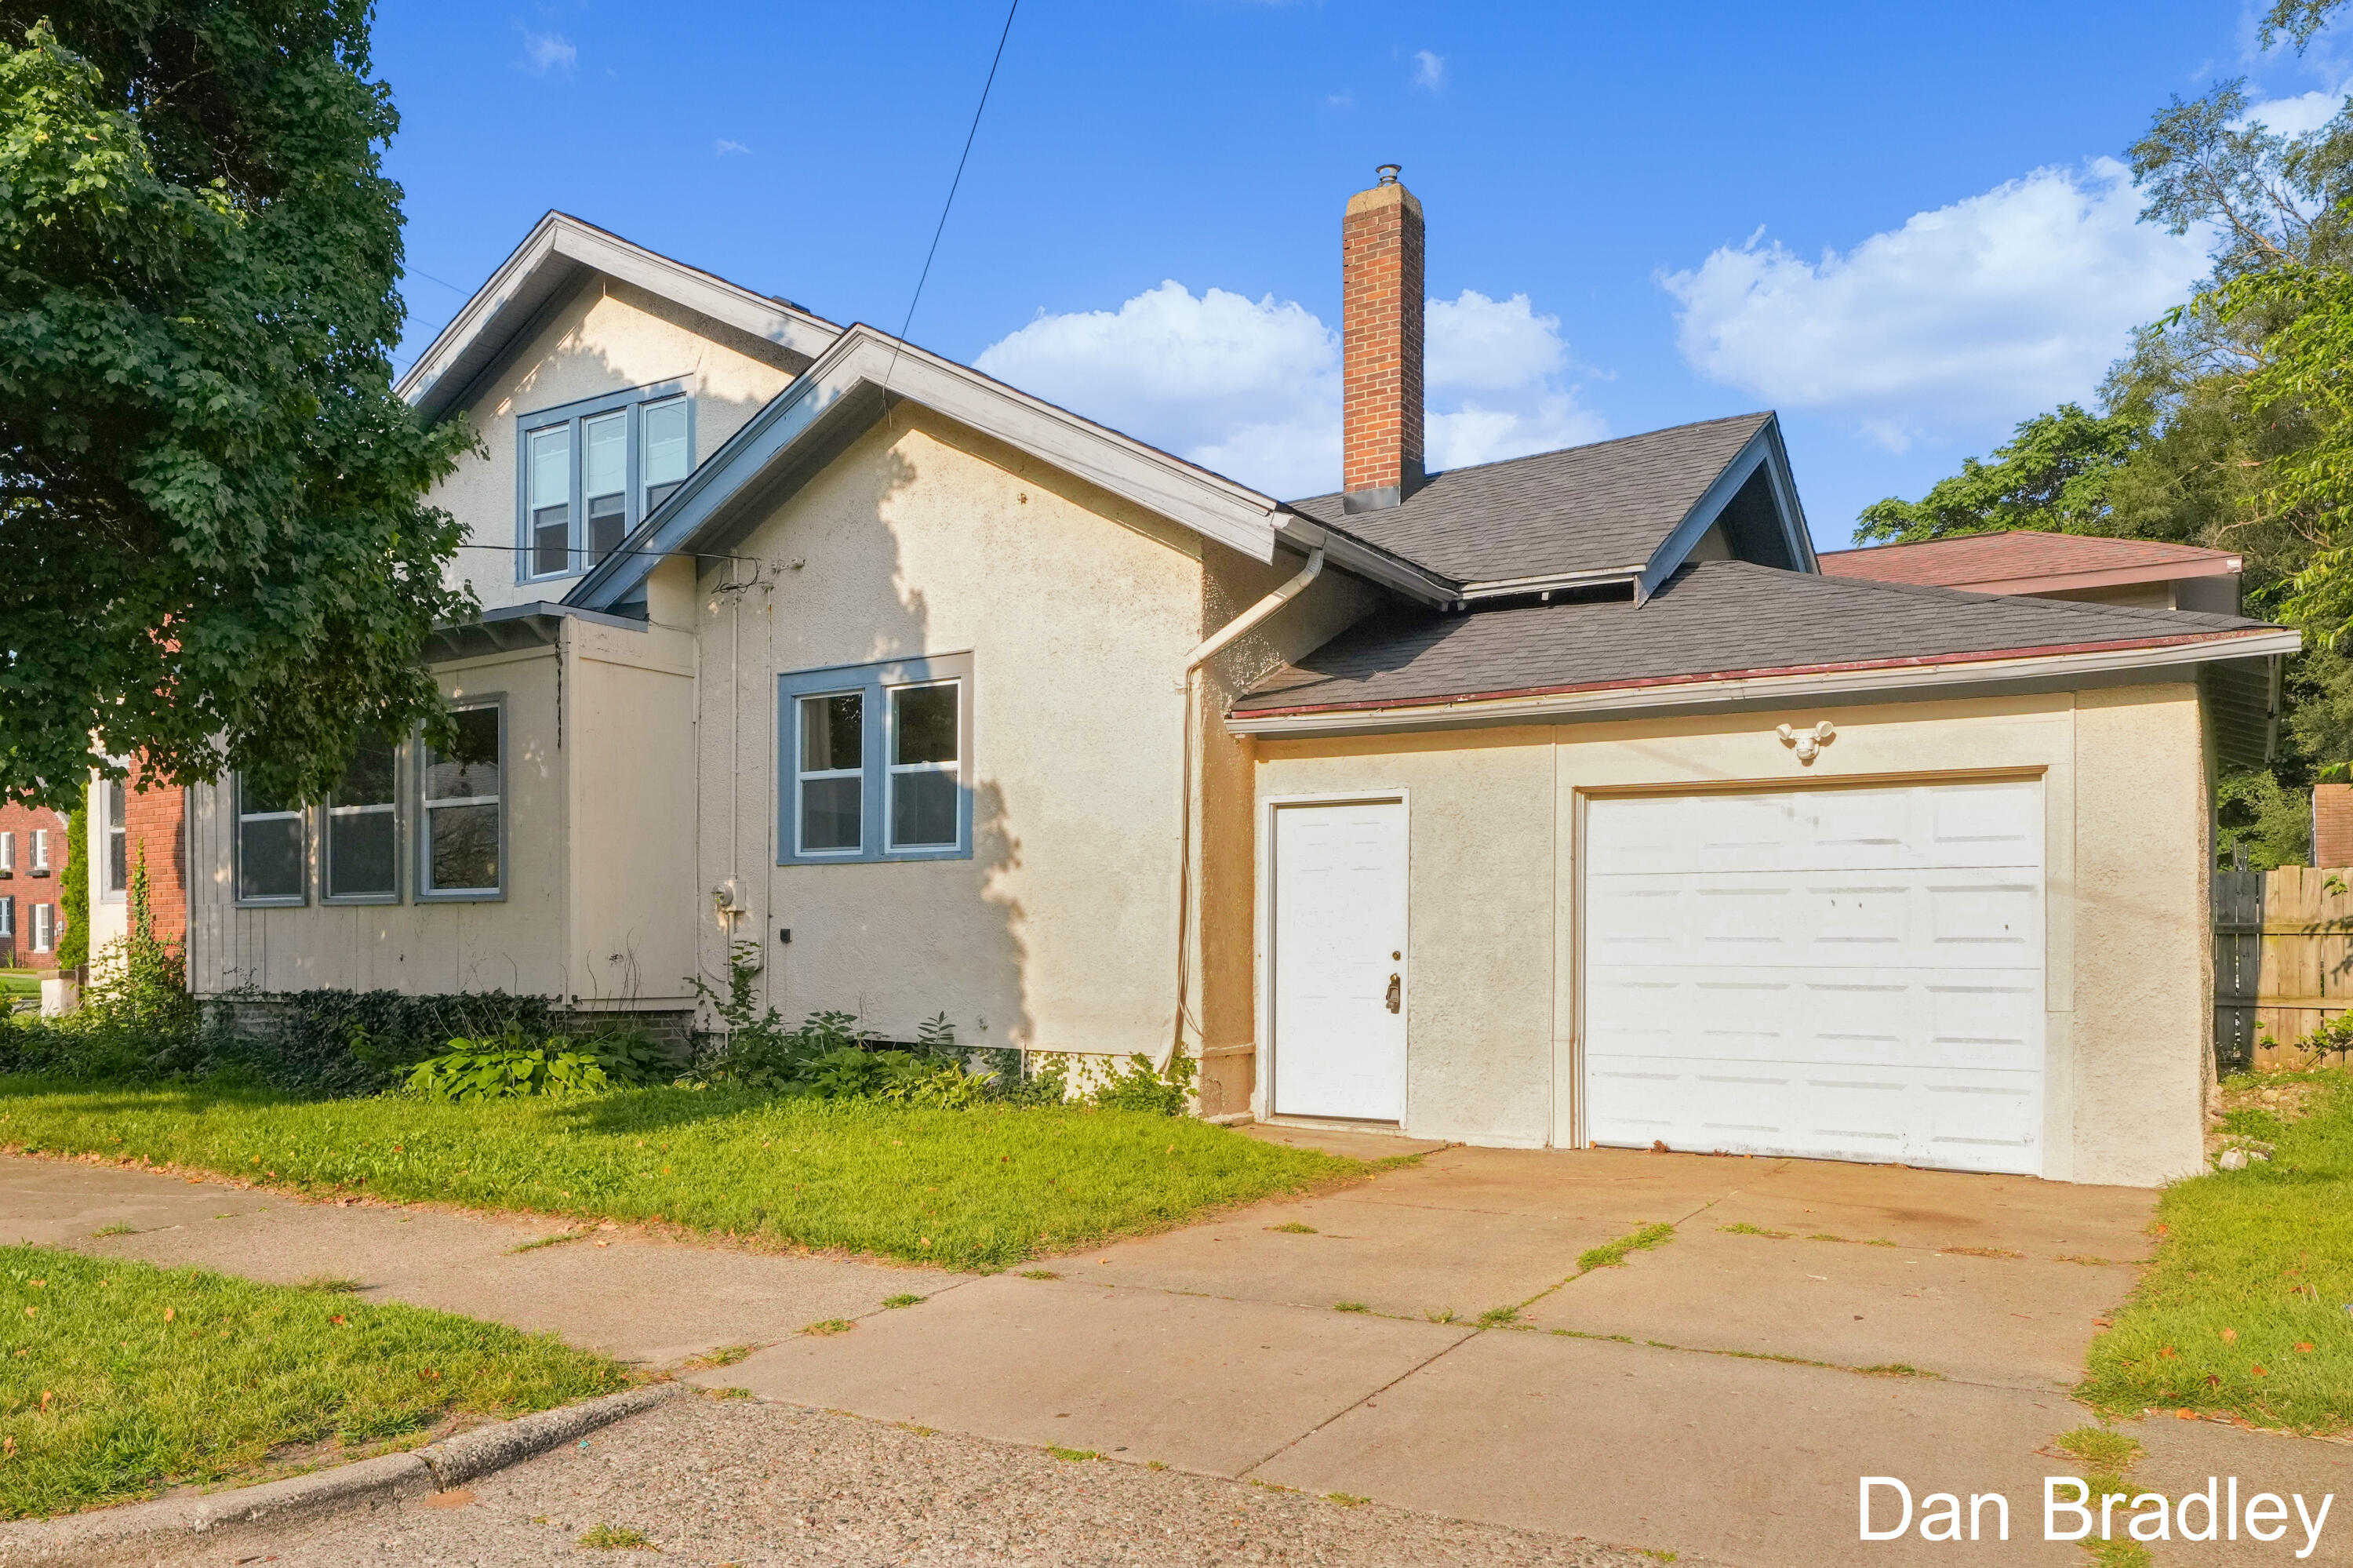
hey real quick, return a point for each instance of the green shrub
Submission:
(73, 894)
(474, 1070)
(1141, 1087)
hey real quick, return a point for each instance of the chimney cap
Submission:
(1388, 173)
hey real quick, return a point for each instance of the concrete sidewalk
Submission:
(1716, 1396)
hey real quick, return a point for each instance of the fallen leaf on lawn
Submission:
(2213, 1382)
(2230, 1336)
(30, 1311)
(36, 1284)
(2304, 1345)
(2168, 1353)
(169, 1313)
(2185, 1414)
(336, 1318)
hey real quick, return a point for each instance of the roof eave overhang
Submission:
(1353, 555)
(1763, 450)
(544, 269)
(1770, 687)
(2111, 577)
(849, 387)
(510, 629)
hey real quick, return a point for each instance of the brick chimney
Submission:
(1380, 264)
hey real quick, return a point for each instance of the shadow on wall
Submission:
(893, 942)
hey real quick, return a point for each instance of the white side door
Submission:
(1340, 979)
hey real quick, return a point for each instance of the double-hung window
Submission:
(361, 856)
(40, 851)
(590, 472)
(8, 854)
(7, 918)
(272, 849)
(45, 927)
(877, 762)
(117, 868)
(461, 836)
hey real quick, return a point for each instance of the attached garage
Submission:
(1850, 973)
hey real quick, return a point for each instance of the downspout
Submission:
(1239, 627)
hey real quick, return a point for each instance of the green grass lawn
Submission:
(117, 1379)
(966, 1187)
(2244, 1307)
(15, 983)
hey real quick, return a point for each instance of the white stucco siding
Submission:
(2127, 950)
(606, 338)
(518, 944)
(1059, 933)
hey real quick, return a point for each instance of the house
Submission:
(2151, 574)
(136, 824)
(1554, 801)
(32, 869)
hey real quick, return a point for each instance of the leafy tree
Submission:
(210, 499)
(2056, 471)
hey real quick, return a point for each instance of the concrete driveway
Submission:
(1718, 1395)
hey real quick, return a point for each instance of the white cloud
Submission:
(543, 52)
(2295, 116)
(1429, 70)
(723, 147)
(1975, 314)
(1252, 388)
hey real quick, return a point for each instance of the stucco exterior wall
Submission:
(1078, 609)
(1492, 825)
(519, 944)
(608, 337)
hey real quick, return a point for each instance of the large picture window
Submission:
(876, 762)
(362, 849)
(461, 837)
(588, 472)
(272, 852)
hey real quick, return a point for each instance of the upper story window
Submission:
(40, 851)
(590, 472)
(115, 869)
(8, 854)
(877, 762)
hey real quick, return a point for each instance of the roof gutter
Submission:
(1761, 688)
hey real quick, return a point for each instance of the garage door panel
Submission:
(1968, 918)
(1866, 985)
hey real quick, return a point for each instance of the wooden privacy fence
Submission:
(2283, 960)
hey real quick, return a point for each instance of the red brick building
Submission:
(32, 869)
(130, 821)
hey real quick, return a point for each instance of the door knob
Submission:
(1396, 987)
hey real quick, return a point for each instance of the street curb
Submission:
(102, 1535)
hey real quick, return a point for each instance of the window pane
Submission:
(118, 839)
(607, 522)
(830, 733)
(829, 814)
(360, 853)
(270, 858)
(464, 848)
(551, 540)
(923, 724)
(471, 770)
(605, 454)
(924, 808)
(368, 781)
(666, 458)
(551, 467)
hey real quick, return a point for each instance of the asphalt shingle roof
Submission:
(1608, 505)
(1710, 619)
(2014, 555)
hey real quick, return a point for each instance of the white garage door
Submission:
(1856, 974)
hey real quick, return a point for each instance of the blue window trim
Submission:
(325, 828)
(631, 398)
(874, 683)
(243, 900)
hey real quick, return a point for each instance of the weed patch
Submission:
(1613, 1254)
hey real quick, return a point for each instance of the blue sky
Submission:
(1894, 224)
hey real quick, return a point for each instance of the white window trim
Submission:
(40, 866)
(895, 771)
(802, 777)
(238, 817)
(8, 916)
(45, 928)
(8, 853)
(426, 892)
(104, 828)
